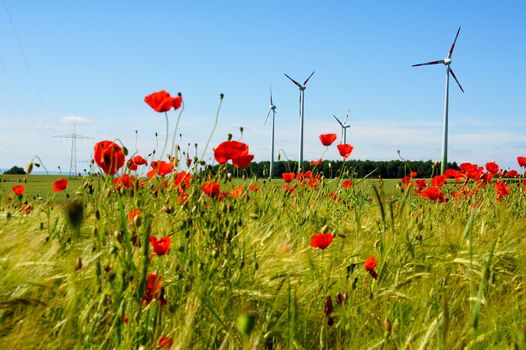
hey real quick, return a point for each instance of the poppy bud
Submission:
(74, 212)
(29, 168)
(246, 324)
(137, 220)
(179, 94)
(241, 129)
(327, 306)
(221, 96)
(118, 236)
(78, 263)
(229, 137)
(387, 327)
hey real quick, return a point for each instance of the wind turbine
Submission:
(302, 88)
(447, 62)
(344, 127)
(272, 109)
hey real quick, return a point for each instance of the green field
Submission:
(38, 185)
(241, 273)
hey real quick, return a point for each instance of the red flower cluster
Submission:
(125, 181)
(521, 161)
(502, 190)
(235, 151)
(109, 156)
(161, 101)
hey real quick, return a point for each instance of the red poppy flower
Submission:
(421, 184)
(370, 264)
(161, 101)
(412, 174)
(182, 180)
(438, 180)
(316, 162)
(406, 181)
(161, 245)
(492, 167)
(153, 290)
(124, 180)
(236, 192)
(18, 189)
(139, 160)
(211, 188)
(502, 188)
(434, 194)
(241, 161)
(522, 161)
(133, 213)
(288, 177)
(347, 184)
(512, 173)
(452, 173)
(165, 342)
(485, 179)
(160, 167)
(254, 188)
(321, 240)
(60, 185)
(228, 150)
(131, 165)
(345, 150)
(109, 156)
(327, 139)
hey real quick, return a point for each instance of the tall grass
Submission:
(241, 273)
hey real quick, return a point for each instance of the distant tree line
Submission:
(390, 169)
(15, 170)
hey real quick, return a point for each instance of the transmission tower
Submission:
(74, 137)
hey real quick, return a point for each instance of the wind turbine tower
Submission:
(272, 109)
(302, 88)
(447, 62)
(344, 127)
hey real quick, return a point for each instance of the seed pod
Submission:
(78, 263)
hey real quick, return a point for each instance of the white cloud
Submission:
(74, 119)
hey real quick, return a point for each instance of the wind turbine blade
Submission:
(346, 116)
(272, 104)
(306, 80)
(338, 120)
(427, 63)
(454, 77)
(453, 45)
(294, 81)
(268, 114)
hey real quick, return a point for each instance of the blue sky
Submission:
(94, 61)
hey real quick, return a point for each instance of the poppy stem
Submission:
(166, 137)
(214, 128)
(175, 130)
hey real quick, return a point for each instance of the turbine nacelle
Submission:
(447, 61)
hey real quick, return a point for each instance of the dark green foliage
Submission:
(15, 170)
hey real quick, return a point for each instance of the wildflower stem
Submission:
(166, 137)
(214, 128)
(175, 130)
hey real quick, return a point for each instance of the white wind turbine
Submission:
(344, 127)
(272, 109)
(302, 88)
(447, 62)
